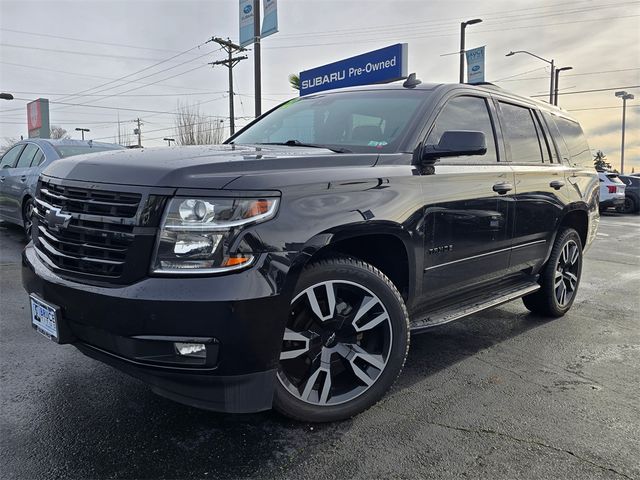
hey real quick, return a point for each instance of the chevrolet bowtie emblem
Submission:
(57, 220)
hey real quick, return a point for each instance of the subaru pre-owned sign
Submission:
(379, 66)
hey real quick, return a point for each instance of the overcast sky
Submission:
(55, 49)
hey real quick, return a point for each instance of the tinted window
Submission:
(575, 141)
(9, 158)
(27, 156)
(71, 150)
(358, 121)
(465, 113)
(521, 133)
(37, 159)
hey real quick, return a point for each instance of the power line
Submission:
(101, 77)
(72, 52)
(569, 75)
(82, 40)
(449, 21)
(591, 91)
(378, 39)
(601, 108)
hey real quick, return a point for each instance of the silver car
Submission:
(21, 165)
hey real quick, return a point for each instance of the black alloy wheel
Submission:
(344, 344)
(559, 278)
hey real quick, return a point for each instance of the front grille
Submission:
(93, 202)
(86, 231)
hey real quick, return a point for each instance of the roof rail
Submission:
(485, 84)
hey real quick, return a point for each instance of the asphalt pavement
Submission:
(500, 395)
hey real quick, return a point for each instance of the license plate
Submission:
(44, 318)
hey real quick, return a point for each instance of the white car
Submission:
(611, 190)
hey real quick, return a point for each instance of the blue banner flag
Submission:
(247, 36)
(475, 65)
(379, 66)
(270, 18)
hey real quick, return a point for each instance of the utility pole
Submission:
(624, 96)
(138, 131)
(82, 130)
(463, 26)
(556, 83)
(230, 62)
(257, 75)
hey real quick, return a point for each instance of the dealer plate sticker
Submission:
(44, 318)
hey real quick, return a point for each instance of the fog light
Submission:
(197, 350)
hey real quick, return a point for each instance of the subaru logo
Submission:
(475, 68)
(57, 220)
(247, 9)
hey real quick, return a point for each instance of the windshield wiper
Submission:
(298, 143)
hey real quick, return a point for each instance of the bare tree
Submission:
(7, 143)
(195, 128)
(58, 132)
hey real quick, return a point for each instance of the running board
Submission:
(475, 304)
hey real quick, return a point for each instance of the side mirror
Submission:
(455, 143)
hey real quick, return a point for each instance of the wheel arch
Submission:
(385, 245)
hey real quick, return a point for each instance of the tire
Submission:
(345, 342)
(560, 277)
(629, 206)
(27, 213)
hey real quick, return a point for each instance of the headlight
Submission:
(195, 233)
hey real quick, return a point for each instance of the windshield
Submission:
(65, 151)
(369, 121)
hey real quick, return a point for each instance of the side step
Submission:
(441, 315)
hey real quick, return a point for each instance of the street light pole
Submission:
(82, 130)
(550, 62)
(463, 26)
(557, 79)
(625, 96)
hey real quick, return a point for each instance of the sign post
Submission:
(475, 65)
(379, 66)
(38, 118)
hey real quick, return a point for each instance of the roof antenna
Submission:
(411, 81)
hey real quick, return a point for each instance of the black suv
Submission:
(289, 266)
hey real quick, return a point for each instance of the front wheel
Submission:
(560, 277)
(629, 206)
(27, 215)
(344, 344)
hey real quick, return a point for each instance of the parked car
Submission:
(611, 190)
(289, 266)
(21, 165)
(631, 194)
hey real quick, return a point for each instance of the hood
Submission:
(207, 166)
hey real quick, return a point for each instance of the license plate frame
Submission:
(45, 318)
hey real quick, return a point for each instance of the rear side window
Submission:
(614, 178)
(9, 158)
(27, 156)
(37, 159)
(575, 141)
(465, 113)
(523, 134)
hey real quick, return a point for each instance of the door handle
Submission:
(23, 178)
(502, 188)
(1, 179)
(557, 184)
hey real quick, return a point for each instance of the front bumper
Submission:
(240, 318)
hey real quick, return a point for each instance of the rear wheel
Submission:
(629, 206)
(560, 277)
(27, 215)
(345, 341)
